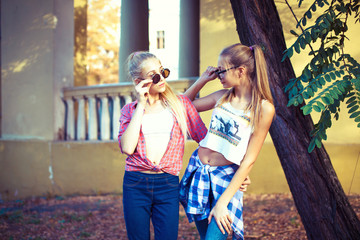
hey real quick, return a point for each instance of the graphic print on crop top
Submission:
(229, 125)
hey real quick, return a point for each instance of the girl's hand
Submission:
(222, 218)
(209, 74)
(142, 90)
(245, 184)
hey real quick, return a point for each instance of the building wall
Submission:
(36, 62)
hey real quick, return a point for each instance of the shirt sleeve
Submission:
(196, 126)
(125, 118)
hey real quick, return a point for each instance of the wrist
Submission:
(221, 202)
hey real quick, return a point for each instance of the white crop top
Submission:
(156, 128)
(229, 132)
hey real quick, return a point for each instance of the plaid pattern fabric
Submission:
(195, 187)
(172, 160)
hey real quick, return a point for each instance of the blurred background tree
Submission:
(103, 39)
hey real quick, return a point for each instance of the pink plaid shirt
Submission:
(171, 162)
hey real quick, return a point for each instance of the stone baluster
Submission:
(81, 119)
(92, 121)
(115, 116)
(70, 120)
(120, 94)
(104, 118)
(127, 99)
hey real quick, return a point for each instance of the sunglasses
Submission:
(218, 72)
(156, 77)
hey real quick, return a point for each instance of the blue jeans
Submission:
(210, 231)
(154, 196)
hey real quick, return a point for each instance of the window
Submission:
(160, 39)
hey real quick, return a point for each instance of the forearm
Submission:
(236, 182)
(130, 137)
(194, 89)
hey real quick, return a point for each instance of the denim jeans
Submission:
(210, 231)
(151, 196)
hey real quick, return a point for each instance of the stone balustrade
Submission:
(92, 112)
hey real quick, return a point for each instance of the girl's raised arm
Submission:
(208, 102)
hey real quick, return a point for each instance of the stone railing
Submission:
(92, 112)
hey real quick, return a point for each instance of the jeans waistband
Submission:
(148, 175)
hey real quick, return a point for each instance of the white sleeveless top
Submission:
(229, 132)
(156, 128)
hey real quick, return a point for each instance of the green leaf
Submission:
(311, 145)
(321, 105)
(308, 37)
(313, 7)
(314, 87)
(318, 143)
(355, 114)
(291, 102)
(288, 53)
(325, 100)
(307, 109)
(307, 73)
(351, 99)
(322, 81)
(332, 75)
(328, 78)
(331, 99)
(297, 47)
(322, 135)
(306, 95)
(302, 42)
(300, 99)
(316, 108)
(294, 33)
(353, 109)
(310, 92)
(304, 22)
(351, 104)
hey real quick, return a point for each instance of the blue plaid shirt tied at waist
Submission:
(195, 187)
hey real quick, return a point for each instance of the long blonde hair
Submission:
(168, 97)
(253, 59)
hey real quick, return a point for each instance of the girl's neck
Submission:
(153, 99)
(243, 93)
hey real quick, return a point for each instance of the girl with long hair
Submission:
(152, 133)
(242, 115)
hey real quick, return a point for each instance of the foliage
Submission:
(331, 76)
(103, 39)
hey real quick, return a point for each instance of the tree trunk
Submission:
(320, 200)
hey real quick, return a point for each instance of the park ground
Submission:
(266, 216)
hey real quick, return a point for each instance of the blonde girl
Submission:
(152, 133)
(242, 115)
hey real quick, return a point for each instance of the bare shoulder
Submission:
(218, 94)
(267, 109)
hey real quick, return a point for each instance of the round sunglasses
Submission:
(156, 77)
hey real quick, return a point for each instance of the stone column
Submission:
(37, 41)
(189, 45)
(134, 31)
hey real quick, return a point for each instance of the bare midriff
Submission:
(212, 158)
(152, 172)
